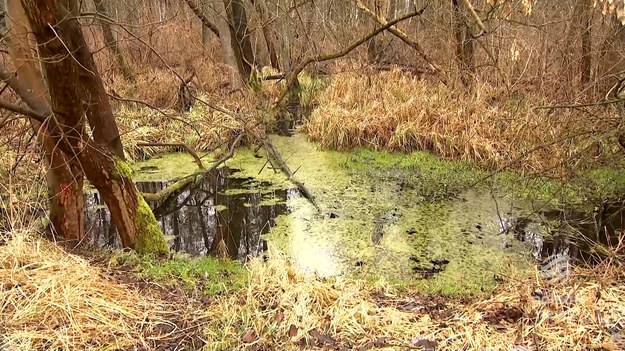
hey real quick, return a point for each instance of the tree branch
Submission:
(189, 149)
(9, 106)
(191, 179)
(200, 14)
(401, 35)
(273, 153)
(292, 76)
(39, 108)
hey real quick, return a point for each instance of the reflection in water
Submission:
(578, 234)
(222, 212)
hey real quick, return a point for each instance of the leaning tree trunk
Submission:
(110, 42)
(99, 159)
(64, 176)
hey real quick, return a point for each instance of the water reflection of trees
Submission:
(201, 217)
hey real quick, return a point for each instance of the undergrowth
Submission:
(392, 111)
(209, 275)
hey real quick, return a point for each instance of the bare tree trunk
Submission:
(375, 48)
(111, 43)
(103, 167)
(464, 45)
(268, 32)
(64, 177)
(240, 37)
(586, 36)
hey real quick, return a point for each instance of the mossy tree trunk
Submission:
(98, 157)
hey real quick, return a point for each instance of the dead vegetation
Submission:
(282, 309)
(52, 300)
(392, 111)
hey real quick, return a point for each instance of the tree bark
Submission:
(55, 36)
(268, 32)
(64, 178)
(464, 46)
(111, 43)
(206, 24)
(586, 36)
(375, 48)
(240, 38)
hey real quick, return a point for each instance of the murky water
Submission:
(369, 224)
(221, 213)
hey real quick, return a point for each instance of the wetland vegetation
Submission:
(251, 175)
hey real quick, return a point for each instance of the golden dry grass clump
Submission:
(202, 128)
(393, 111)
(51, 300)
(281, 309)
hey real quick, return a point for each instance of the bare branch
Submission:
(192, 178)
(189, 149)
(39, 108)
(401, 35)
(292, 76)
(476, 18)
(200, 14)
(9, 106)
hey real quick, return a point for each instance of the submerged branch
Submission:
(273, 153)
(194, 178)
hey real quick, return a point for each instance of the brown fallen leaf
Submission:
(382, 342)
(324, 339)
(279, 317)
(292, 331)
(249, 337)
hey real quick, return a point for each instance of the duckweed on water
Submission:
(394, 216)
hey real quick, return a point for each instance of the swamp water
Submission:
(373, 221)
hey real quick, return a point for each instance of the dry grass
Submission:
(203, 128)
(284, 310)
(51, 300)
(393, 111)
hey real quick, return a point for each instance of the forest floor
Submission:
(55, 300)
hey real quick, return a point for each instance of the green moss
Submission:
(150, 239)
(207, 274)
(122, 169)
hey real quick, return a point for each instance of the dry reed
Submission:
(51, 300)
(392, 111)
(284, 310)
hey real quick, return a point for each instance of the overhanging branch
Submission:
(401, 35)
